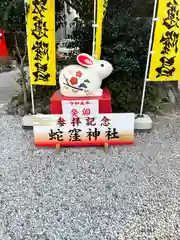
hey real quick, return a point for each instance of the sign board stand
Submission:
(106, 147)
(82, 131)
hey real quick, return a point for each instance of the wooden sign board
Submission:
(50, 130)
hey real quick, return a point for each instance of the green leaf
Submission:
(87, 81)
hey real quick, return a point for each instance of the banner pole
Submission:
(32, 99)
(148, 57)
(26, 6)
(94, 29)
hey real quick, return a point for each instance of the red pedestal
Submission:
(104, 102)
(3, 47)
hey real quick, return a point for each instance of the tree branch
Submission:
(25, 54)
(71, 5)
(17, 47)
(23, 77)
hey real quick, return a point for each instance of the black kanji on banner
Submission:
(169, 40)
(40, 46)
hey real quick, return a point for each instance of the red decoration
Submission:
(3, 47)
(73, 81)
(104, 102)
(78, 74)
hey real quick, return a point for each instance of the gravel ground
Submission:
(133, 192)
(8, 85)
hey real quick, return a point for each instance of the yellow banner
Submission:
(101, 9)
(165, 57)
(41, 42)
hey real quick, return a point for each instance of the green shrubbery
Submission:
(125, 45)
